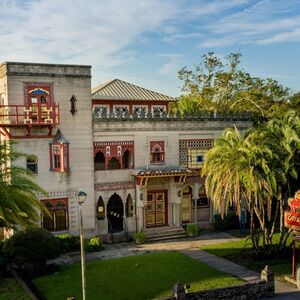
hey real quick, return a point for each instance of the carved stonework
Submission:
(119, 185)
(194, 179)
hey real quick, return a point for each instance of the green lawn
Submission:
(232, 250)
(11, 290)
(137, 277)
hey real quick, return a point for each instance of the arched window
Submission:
(157, 152)
(126, 159)
(99, 161)
(202, 200)
(32, 164)
(114, 164)
(100, 209)
(129, 207)
(58, 219)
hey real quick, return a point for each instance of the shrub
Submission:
(140, 237)
(3, 259)
(192, 230)
(68, 242)
(93, 244)
(32, 245)
(230, 221)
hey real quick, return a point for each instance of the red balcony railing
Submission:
(36, 114)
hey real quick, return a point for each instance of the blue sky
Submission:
(147, 42)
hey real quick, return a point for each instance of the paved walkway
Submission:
(188, 247)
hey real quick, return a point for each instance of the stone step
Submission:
(165, 238)
(118, 237)
(163, 229)
(164, 233)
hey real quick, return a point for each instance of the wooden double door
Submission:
(156, 213)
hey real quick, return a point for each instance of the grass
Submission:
(232, 251)
(11, 290)
(148, 276)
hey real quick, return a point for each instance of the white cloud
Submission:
(76, 31)
(172, 65)
(264, 22)
(292, 36)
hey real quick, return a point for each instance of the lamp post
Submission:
(81, 199)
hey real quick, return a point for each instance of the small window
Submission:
(157, 152)
(129, 207)
(199, 158)
(43, 99)
(32, 164)
(100, 209)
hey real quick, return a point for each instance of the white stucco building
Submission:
(139, 165)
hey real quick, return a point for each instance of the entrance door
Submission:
(115, 213)
(156, 209)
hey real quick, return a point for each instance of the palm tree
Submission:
(19, 204)
(258, 168)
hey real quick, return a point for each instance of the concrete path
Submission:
(189, 247)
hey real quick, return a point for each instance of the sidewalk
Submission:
(189, 247)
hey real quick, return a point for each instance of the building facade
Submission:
(139, 164)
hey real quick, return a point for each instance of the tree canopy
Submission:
(19, 204)
(221, 86)
(259, 169)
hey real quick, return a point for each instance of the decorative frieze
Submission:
(63, 193)
(117, 185)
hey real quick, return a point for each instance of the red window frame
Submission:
(59, 157)
(157, 152)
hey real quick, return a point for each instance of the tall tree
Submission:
(259, 169)
(219, 85)
(19, 204)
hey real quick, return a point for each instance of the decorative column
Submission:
(105, 200)
(178, 214)
(139, 207)
(195, 196)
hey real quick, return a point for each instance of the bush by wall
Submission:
(93, 244)
(230, 221)
(32, 245)
(192, 230)
(3, 259)
(68, 242)
(140, 237)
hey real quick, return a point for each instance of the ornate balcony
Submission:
(36, 115)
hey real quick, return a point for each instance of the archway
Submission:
(99, 161)
(114, 164)
(115, 213)
(126, 160)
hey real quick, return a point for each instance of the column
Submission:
(195, 197)
(139, 207)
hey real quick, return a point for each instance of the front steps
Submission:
(164, 233)
(117, 237)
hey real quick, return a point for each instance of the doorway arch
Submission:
(115, 212)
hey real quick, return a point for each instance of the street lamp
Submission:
(81, 198)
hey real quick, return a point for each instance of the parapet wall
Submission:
(169, 122)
